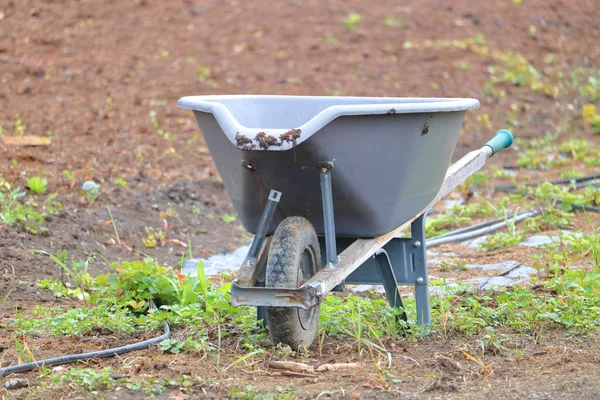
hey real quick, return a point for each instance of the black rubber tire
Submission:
(294, 257)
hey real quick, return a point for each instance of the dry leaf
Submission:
(27, 140)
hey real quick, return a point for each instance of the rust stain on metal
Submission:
(391, 111)
(425, 129)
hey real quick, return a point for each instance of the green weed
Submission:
(330, 39)
(475, 181)
(122, 182)
(108, 317)
(37, 184)
(590, 117)
(154, 238)
(19, 127)
(391, 21)
(157, 126)
(228, 218)
(15, 212)
(591, 89)
(514, 68)
(25, 354)
(351, 21)
(203, 73)
(457, 216)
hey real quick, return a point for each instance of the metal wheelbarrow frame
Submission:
(396, 260)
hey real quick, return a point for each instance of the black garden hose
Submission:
(86, 356)
(579, 183)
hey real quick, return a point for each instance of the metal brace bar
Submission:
(384, 264)
(305, 297)
(331, 260)
(392, 292)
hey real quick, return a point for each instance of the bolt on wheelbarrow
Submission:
(327, 185)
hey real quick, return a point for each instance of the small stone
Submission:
(522, 271)
(539, 240)
(90, 186)
(15, 383)
(490, 267)
(451, 203)
(197, 10)
(495, 282)
(474, 242)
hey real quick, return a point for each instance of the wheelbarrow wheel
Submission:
(294, 257)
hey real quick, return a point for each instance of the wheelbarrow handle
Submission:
(502, 140)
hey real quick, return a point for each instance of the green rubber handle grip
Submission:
(502, 140)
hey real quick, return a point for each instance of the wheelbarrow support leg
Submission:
(420, 265)
(263, 225)
(331, 260)
(259, 238)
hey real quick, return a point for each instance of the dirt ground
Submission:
(87, 75)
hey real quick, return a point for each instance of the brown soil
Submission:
(87, 74)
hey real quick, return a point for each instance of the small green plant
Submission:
(154, 238)
(515, 68)
(457, 216)
(122, 182)
(25, 354)
(69, 175)
(503, 239)
(189, 344)
(19, 126)
(248, 392)
(452, 265)
(464, 65)
(88, 378)
(330, 39)
(407, 45)
(90, 190)
(591, 117)
(138, 282)
(391, 21)
(228, 218)
(157, 126)
(77, 273)
(37, 184)
(591, 89)
(352, 21)
(203, 73)
(15, 212)
(570, 174)
(545, 154)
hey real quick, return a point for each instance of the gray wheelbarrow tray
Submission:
(358, 169)
(389, 155)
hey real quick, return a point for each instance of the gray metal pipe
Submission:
(453, 237)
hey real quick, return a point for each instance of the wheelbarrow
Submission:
(327, 185)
